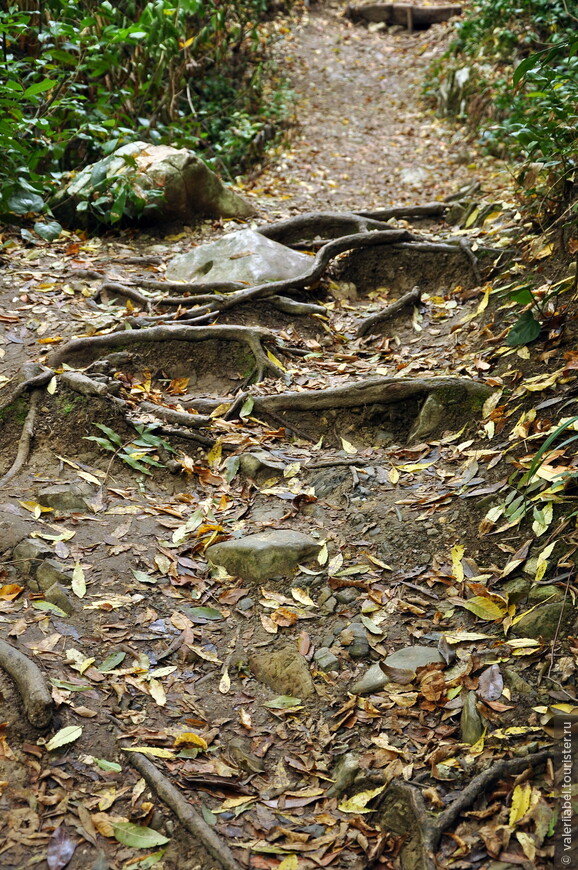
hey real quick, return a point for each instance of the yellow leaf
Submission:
(348, 447)
(268, 624)
(393, 475)
(486, 608)
(457, 556)
(302, 597)
(275, 361)
(225, 683)
(78, 584)
(528, 845)
(35, 508)
(215, 453)
(157, 692)
(291, 862)
(323, 555)
(520, 802)
(358, 803)
(155, 751)
(189, 738)
(51, 388)
(415, 466)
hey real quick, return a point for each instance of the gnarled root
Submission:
(368, 323)
(403, 810)
(25, 439)
(253, 337)
(187, 816)
(30, 683)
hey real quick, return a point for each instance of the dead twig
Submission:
(187, 816)
(30, 683)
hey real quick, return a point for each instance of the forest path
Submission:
(364, 138)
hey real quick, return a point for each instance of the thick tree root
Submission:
(30, 683)
(253, 337)
(320, 262)
(368, 323)
(333, 225)
(29, 384)
(25, 439)
(187, 816)
(403, 810)
(370, 391)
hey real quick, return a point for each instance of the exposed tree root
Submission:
(403, 810)
(178, 418)
(369, 391)
(25, 439)
(187, 816)
(31, 383)
(253, 337)
(30, 683)
(405, 212)
(332, 225)
(368, 323)
(306, 279)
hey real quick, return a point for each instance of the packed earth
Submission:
(269, 597)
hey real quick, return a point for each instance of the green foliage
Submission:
(81, 78)
(522, 91)
(134, 453)
(537, 311)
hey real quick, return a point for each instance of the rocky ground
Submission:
(318, 614)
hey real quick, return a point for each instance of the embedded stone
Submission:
(544, 621)
(373, 680)
(326, 660)
(401, 666)
(51, 571)
(275, 553)
(285, 671)
(244, 256)
(28, 555)
(66, 497)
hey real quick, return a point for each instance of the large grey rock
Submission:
(285, 671)
(276, 553)
(66, 497)
(544, 621)
(373, 680)
(244, 256)
(260, 462)
(175, 184)
(402, 665)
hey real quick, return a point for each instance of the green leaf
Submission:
(102, 442)
(114, 436)
(524, 330)
(111, 662)
(64, 736)
(231, 467)
(142, 577)
(25, 202)
(108, 765)
(247, 407)
(210, 613)
(282, 702)
(523, 295)
(48, 606)
(39, 87)
(70, 687)
(137, 836)
(48, 231)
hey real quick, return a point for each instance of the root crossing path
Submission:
(222, 512)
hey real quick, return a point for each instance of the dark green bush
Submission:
(532, 117)
(80, 78)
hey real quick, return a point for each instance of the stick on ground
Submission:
(187, 816)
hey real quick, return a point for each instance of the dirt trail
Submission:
(364, 139)
(149, 645)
